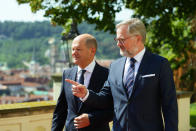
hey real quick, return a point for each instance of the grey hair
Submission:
(135, 27)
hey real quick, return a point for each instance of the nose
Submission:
(118, 44)
(73, 52)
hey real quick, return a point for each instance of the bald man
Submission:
(70, 111)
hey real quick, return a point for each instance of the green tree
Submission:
(64, 12)
(171, 23)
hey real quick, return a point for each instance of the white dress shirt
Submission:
(87, 75)
(138, 59)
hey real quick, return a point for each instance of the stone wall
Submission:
(31, 116)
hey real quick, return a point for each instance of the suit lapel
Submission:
(93, 77)
(142, 69)
(120, 75)
(72, 76)
(73, 73)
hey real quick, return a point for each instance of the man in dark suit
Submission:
(70, 111)
(140, 85)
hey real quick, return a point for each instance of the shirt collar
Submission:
(139, 56)
(88, 68)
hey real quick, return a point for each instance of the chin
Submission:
(123, 53)
(75, 61)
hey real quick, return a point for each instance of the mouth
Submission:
(122, 48)
(75, 58)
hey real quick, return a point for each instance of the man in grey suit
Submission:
(140, 85)
(70, 111)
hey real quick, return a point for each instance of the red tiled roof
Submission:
(30, 84)
(10, 82)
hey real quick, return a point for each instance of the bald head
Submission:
(88, 39)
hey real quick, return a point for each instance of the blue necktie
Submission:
(130, 77)
(81, 81)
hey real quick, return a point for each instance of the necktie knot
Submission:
(132, 61)
(83, 71)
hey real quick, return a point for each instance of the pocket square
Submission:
(149, 75)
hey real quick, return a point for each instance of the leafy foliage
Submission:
(172, 32)
(193, 114)
(63, 12)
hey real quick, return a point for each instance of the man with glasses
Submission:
(140, 85)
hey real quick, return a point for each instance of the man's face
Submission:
(81, 55)
(126, 42)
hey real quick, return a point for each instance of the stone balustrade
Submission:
(29, 116)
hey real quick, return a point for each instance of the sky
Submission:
(11, 11)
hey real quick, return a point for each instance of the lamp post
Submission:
(68, 38)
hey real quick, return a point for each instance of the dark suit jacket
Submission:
(66, 108)
(151, 96)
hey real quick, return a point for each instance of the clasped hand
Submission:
(81, 121)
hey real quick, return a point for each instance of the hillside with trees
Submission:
(24, 41)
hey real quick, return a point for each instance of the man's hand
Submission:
(77, 89)
(81, 121)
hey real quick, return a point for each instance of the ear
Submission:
(139, 38)
(93, 50)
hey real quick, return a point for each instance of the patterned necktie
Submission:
(130, 77)
(81, 81)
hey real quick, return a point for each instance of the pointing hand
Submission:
(78, 89)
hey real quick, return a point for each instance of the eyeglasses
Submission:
(122, 41)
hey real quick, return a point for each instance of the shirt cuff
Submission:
(85, 98)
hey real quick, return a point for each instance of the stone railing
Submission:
(29, 116)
